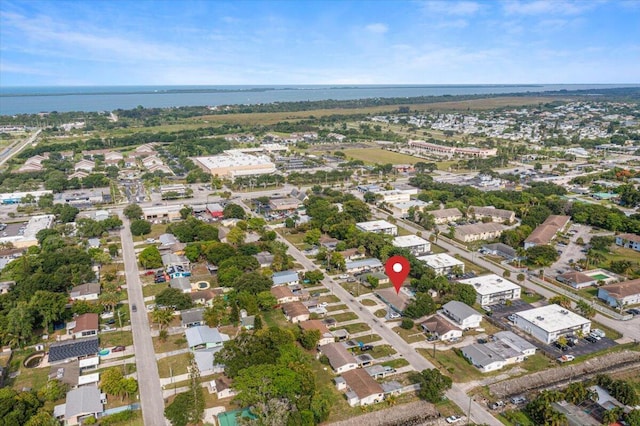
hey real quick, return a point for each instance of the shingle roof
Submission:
(294, 309)
(438, 325)
(547, 229)
(630, 237)
(83, 400)
(337, 354)
(88, 321)
(624, 289)
(203, 334)
(181, 283)
(191, 315)
(361, 383)
(85, 289)
(60, 351)
(575, 277)
(443, 213)
(281, 291)
(284, 277)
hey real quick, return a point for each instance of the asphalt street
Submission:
(151, 398)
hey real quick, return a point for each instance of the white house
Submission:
(631, 241)
(442, 263)
(550, 322)
(285, 278)
(356, 266)
(506, 348)
(416, 245)
(378, 227)
(88, 291)
(492, 289)
(621, 294)
(461, 314)
(339, 358)
(439, 327)
(362, 389)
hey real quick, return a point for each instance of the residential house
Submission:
(631, 241)
(380, 276)
(325, 335)
(356, 266)
(67, 350)
(113, 158)
(222, 387)
(440, 328)
(496, 215)
(339, 358)
(576, 279)
(86, 165)
(295, 312)
(352, 254)
(144, 150)
(247, 321)
(152, 160)
(81, 404)
(500, 249)
(203, 297)
(204, 337)
(416, 245)
(361, 388)
(88, 291)
(5, 286)
(181, 283)
(83, 325)
(546, 231)
(328, 242)
(206, 361)
(461, 314)
(444, 216)
(283, 294)
(285, 278)
(621, 294)
(479, 231)
(192, 317)
(264, 258)
(80, 174)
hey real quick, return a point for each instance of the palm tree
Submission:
(162, 316)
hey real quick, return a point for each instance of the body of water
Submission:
(30, 100)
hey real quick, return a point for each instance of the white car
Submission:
(394, 315)
(453, 419)
(323, 305)
(343, 276)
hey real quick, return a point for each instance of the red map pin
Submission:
(397, 269)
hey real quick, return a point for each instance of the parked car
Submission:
(560, 346)
(590, 339)
(453, 419)
(118, 349)
(634, 311)
(110, 321)
(394, 315)
(595, 335)
(482, 341)
(364, 348)
(598, 332)
(518, 400)
(496, 405)
(511, 318)
(566, 358)
(343, 276)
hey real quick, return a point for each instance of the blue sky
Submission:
(318, 42)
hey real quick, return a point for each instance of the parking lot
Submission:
(500, 314)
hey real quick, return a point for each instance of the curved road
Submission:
(151, 398)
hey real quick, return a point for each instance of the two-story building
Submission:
(491, 289)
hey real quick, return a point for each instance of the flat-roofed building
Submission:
(450, 151)
(546, 231)
(491, 289)
(393, 196)
(177, 190)
(442, 263)
(284, 204)
(17, 197)
(496, 215)
(506, 348)
(403, 208)
(378, 227)
(621, 294)
(550, 322)
(235, 164)
(83, 197)
(26, 235)
(158, 214)
(443, 216)
(479, 231)
(416, 245)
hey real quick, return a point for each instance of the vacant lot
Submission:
(380, 156)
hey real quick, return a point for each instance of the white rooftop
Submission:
(409, 204)
(36, 224)
(489, 284)
(375, 225)
(440, 260)
(234, 158)
(552, 318)
(409, 241)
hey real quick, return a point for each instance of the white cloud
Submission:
(548, 7)
(377, 28)
(452, 7)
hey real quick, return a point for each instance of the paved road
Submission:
(417, 361)
(19, 147)
(151, 397)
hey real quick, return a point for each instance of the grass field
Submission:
(380, 156)
(175, 365)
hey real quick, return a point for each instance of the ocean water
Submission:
(29, 100)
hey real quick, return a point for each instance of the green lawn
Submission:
(369, 338)
(358, 327)
(515, 417)
(380, 156)
(410, 336)
(530, 298)
(381, 351)
(346, 316)
(368, 302)
(396, 363)
(329, 298)
(468, 266)
(153, 289)
(380, 313)
(171, 344)
(33, 378)
(176, 364)
(336, 308)
(275, 318)
(454, 365)
(537, 362)
(115, 338)
(157, 229)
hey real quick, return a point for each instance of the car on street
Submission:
(453, 419)
(134, 308)
(118, 349)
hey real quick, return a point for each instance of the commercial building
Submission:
(506, 348)
(416, 245)
(232, 164)
(83, 198)
(17, 197)
(496, 215)
(159, 214)
(450, 151)
(546, 231)
(621, 294)
(491, 289)
(631, 241)
(462, 315)
(26, 235)
(550, 322)
(443, 216)
(284, 204)
(378, 227)
(442, 263)
(393, 196)
(478, 231)
(178, 190)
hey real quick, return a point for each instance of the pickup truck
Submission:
(566, 358)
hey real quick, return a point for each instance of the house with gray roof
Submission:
(505, 349)
(356, 266)
(181, 283)
(81, 404)
(285, 278)
(192, 317)
(200, 337)
(461, 314)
